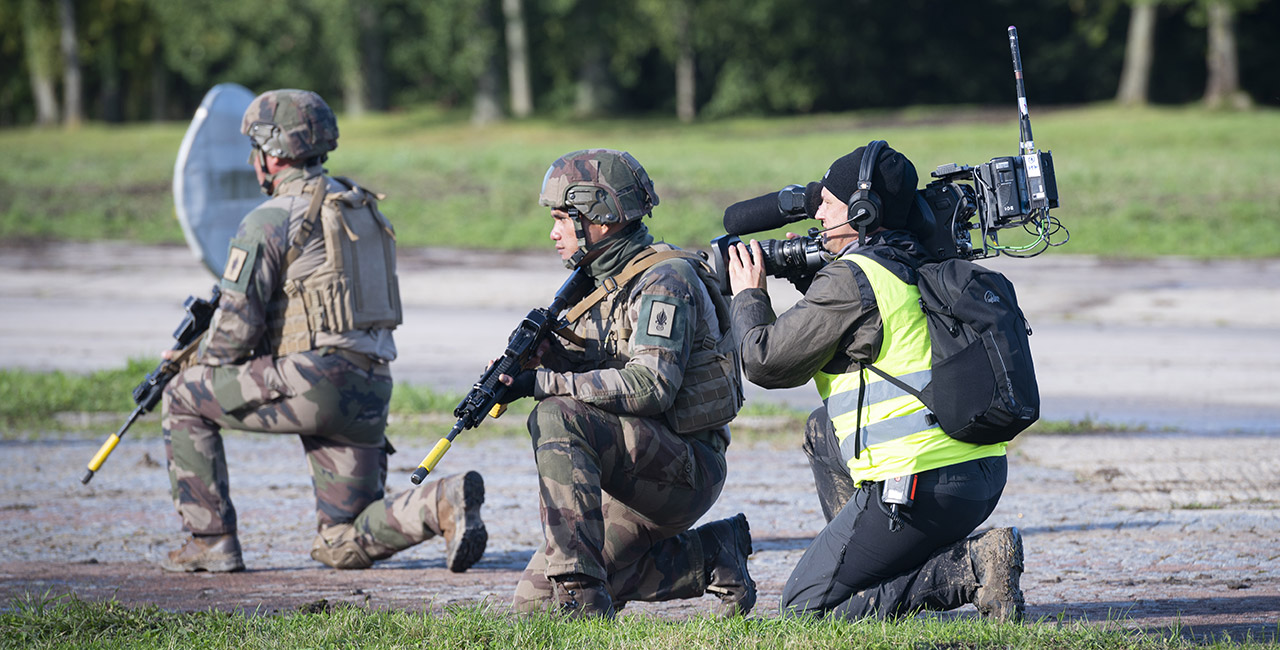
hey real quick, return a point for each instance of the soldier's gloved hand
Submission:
(519, 386)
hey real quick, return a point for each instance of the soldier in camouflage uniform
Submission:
(629, 432)
(288, 353)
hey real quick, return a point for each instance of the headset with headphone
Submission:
(864, 204)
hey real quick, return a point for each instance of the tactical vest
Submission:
(710, 394)
(883, 430)
(355, 288)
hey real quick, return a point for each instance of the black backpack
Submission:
(983, 389)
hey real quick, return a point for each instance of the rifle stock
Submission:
(485, 397)
(147, 394)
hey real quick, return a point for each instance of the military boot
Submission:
(996, 556)
(338, 546)
(725, 546)
(458, 500)
(581, 596)
(212, 553)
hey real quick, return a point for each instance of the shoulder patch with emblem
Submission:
(662, 315)
(661, 321)
(240, 258)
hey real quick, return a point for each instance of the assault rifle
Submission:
(148, 393)
(486, 395)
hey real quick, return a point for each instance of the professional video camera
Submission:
(1006, 192)
(792, 259)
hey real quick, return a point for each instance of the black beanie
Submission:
(893, 179)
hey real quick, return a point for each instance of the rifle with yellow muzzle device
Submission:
(485, 398)
(148, 393)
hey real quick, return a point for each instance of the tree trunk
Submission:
(342, 29)
(486, 108)
(517, 60)
(353, 88)
(1223, 85)
(686, 81)
(159, 88)
(373, 61)
(1139, 49)
(110, 100)
(72, 86)
(40, 52)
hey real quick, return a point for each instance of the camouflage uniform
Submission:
(335, 397)
(619, 488)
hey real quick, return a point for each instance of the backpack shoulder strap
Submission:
(318, 191)
(895, 381)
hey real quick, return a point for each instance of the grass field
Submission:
(75, 624)
(1171, 181)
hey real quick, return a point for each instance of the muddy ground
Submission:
(1174, 523)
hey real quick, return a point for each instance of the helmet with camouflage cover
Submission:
(289, 123)
(603, 185)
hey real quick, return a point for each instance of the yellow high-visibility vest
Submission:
(899, 436)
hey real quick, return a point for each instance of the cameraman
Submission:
(876, 559)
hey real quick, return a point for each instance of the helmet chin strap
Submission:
(580, 232)
(586, 250)
(268, 177)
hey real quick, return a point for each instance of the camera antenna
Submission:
(1028, 145)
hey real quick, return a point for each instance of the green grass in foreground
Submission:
(1159, 181)
(69, 623)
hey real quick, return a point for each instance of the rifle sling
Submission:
(640, 264)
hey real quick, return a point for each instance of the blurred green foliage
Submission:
(1182, 181)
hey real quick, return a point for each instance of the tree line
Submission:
(65, 61)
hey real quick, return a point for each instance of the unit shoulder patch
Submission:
(662, 321)
(662, 316)
(240, 259)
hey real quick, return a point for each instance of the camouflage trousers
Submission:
(337, 409)
(618, 496)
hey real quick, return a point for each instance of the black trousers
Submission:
(857, 567)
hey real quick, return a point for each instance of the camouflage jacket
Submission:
(256, 273)
(639, 342)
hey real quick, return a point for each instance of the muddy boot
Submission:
(458, 511)
(212, 553)
(997, 564)
(581, 596)
(725, 546)
(338, 547)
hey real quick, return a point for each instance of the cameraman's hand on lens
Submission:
(746, 267)
(518, 387)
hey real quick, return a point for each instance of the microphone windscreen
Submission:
(755, 215)
(812, 198)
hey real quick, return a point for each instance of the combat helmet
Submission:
(603, 185)
(290, 123)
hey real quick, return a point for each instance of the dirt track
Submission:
(1171, 528)
(1176, 533)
